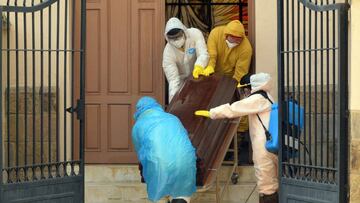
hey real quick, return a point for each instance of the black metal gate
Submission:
(41, 140)
(313, 73)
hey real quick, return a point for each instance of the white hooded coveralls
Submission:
(178, 64)
(265, 163)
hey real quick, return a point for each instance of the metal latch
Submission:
(79, 109)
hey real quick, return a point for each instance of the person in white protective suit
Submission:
(265, 163)
(185, 53)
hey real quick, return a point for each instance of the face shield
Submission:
(176, 37)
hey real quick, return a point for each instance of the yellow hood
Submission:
(235, 28)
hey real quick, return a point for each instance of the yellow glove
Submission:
(208, 71)
(240, 85)
(197, 71)
(204, 113)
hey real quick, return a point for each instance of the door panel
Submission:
(125, 38)
(93, 132)
(119, 121)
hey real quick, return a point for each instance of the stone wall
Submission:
(17, 131)
(354, 161)
(319, 125)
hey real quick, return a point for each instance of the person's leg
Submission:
(266, 168)
(266, 172)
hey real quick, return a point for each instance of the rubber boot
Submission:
(178, 201)
(273, 198)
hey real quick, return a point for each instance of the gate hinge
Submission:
(79, 109)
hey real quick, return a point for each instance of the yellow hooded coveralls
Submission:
(233, 62)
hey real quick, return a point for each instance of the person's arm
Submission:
(171, 71)
(212, 48)
(243, 63)
(201, 49)
(250, 105)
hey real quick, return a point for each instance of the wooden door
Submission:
(123, 63)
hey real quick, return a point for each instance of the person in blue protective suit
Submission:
(165, 152)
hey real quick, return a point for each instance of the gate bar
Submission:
(310, 65)
(293, 77)
(26, 91)
(334, 88)
(304, 82)
(1, 112)
(65, 84)
(327, 89)
(58, 87)
(287, 72)
(34, 90)
(42, 5)
(310, 50)
(17, 92)
(49, 93)
(298, 172)
(72, 82)
(322, 92)
(8, 91)
(316, 92)
(42, 92)
(343, 99)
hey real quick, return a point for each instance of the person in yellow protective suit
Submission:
(230, 54)
(265, 163)
(230, 51)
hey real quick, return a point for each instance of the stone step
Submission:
(130, 173)
(105, 192)
(121, 183)
(239, 192)
(136, 192)
(112, 173)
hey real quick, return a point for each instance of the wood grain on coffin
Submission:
(211, 138)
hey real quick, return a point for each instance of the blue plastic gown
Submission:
(164, 150)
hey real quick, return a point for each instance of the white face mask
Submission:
(178, 43)
(230, 44)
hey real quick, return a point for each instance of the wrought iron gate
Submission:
(41, 140)
(313, 72)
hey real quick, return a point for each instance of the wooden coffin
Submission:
(211, 138)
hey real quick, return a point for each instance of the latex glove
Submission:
(208, 71)
(197, 71)
(204, 113)
(240, 85)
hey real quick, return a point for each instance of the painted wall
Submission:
(354, 55)
(266, 39)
